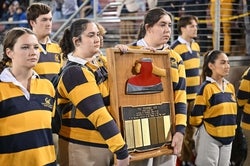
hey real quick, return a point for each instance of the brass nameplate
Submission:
(146, 127)
(145, 111)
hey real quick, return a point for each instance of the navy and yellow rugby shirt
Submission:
(92, 123)
(50, 61)
(191, 59)
(216, 109)
(244, 100)
(178, 77)
(25, 118)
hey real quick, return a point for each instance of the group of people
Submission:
(89, 135)
(13, 11)
(205, 11)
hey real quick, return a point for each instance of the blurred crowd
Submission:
(13, 11)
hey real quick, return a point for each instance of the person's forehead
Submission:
(23, 39)
(222, 56)
(48, 15)
(165, 18)
(192, 22)
(91, 26)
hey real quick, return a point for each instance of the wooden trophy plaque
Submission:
(141, 99)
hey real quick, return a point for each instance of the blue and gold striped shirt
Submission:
(216, 109)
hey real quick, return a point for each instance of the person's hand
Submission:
(149, 48)
(124, 162)
(177, 143)
(123, 48)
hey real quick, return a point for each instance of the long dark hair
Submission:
(209, 57)
(75, 30)
(150, 19)
(9, 41)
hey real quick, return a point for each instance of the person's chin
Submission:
(96, 51)
(165, 39)
(48, 31)
(33, 65)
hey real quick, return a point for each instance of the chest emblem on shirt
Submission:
(57, 58)
(47, 103)
(173, 63)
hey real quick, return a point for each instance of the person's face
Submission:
(221, 66)
(19, 11)
(25, 53)
(11, 9)
(42, 26)
(190, 31)
(90, 40)
(160, 33)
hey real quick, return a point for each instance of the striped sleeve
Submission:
(243, 99)
(244, 89)
(93, 124)
(179, 86)
(200, 106)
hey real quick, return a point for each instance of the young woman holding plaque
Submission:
(154, 34)
(26, 103)
(89, 134)
(214, 112)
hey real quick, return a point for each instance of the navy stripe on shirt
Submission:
(26, 140)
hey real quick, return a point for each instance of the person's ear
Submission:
(146, 27)
(9, 53)
(77, 44)
(76, 41)
(32, 23)
(210, 65)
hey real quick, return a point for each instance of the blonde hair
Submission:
(101, 29)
